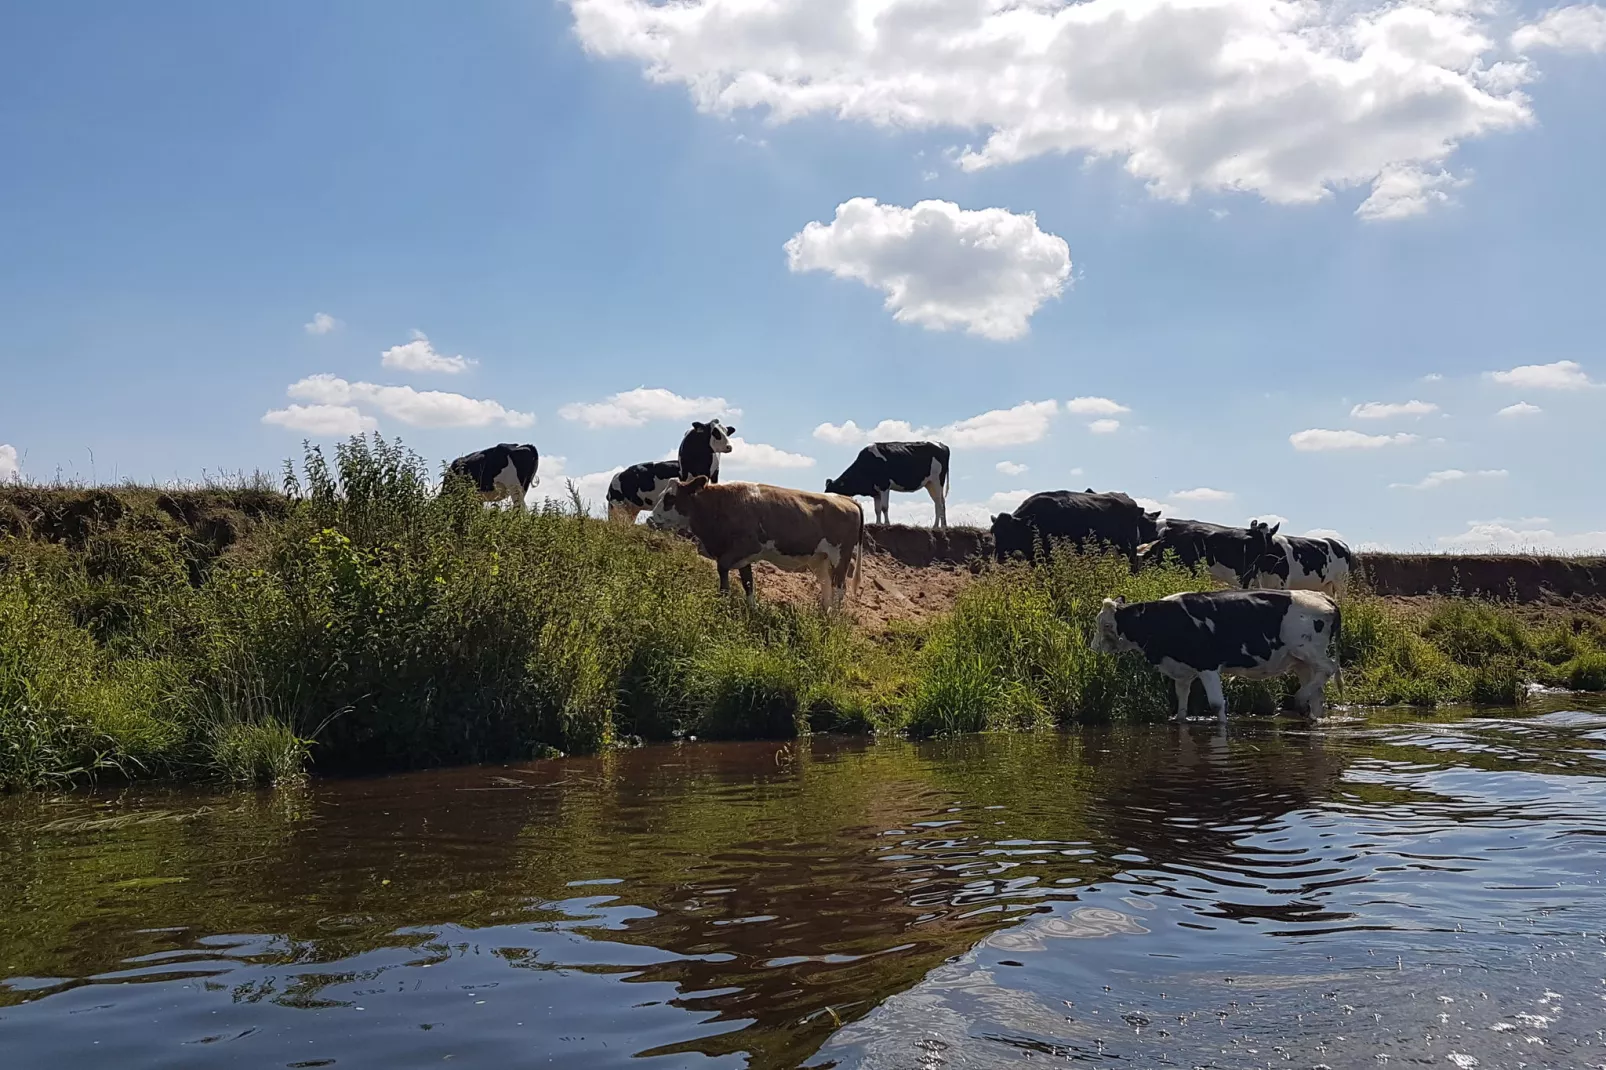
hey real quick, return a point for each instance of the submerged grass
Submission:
(363, 620)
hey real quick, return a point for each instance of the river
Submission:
(1386, 888)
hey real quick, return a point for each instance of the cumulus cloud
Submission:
(1286, 100)
(1521, 408)
(1010, 468)
(1018, 426)
(419, 408)
(939, 265)
(1324, 533)
(1090, 406)
(1449, 475)
(634, 408)
(1498, 534)
(1317, 440)
(1560, 375)
(321, 323)
(10, 467)
(1579, 28)
(1382, 410)
(419, 356)
(1202, 494)
(752, 456)
(1104, 427)
(340, 420)
(1273, 519)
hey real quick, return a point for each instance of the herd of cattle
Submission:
(1280, 619)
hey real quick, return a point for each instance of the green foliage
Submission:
(1586, 672)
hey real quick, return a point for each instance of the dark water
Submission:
(1382, 890)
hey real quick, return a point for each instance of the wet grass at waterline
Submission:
(363, 621)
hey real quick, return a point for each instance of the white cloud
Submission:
(1202, 494)
(1579, 28)
(1010, 468)
(1325, 533)
(419, 356)
(1382, 410)
(1088, 406)
(1104, 427)
(1562, 375)
(321, 323)
(634, 408)
(1450, 475)
(1402, 190)
(1521, 408)
(1287, 100)
(1274, 519)
(10, 468)
(1319, 439)
(419, 408)
(593, 487)
(1018, 426)
(1431, 377)
(1491, 535)
(752, 456)
(939, 265)
(1150, 505)
(340, 420)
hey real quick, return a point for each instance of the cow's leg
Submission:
(746, 572)
(838, 574)
(938, 503)
(724, 579)
(1212, 686)
(883, 503)
(1184, 686)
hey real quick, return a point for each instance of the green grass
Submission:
(363, 621)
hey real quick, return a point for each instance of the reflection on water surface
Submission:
(1423, 890)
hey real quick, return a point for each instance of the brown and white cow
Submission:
(738, 524)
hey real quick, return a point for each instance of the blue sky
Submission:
(1220, 225)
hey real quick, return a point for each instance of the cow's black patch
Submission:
(900, 466)
(1314, 555)
(1208, 630)
(1109, 517)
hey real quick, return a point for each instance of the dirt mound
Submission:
(890, 591)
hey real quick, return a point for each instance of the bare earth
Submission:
(889, 591)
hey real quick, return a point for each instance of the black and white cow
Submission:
(1109, 517)
(1304, 563)
(501, 471)
(1200, 635)
(638, 488)
(1231, 555)
(700, 449)
(884, 467)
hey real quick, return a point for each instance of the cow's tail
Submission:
(858, 553)
(946, 469)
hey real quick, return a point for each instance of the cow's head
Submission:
(1011, 535)
(1106, 630)
(1150, 526)
(673, 511)
(719, 435)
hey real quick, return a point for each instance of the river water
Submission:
(1387, 888)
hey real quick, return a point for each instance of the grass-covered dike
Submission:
(361, 621)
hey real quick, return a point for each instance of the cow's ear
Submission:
(695, 484)
(730, 429)
(698, 425)
(1273, 530)
(1154, 515)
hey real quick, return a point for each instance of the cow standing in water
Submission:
(638, 488)
(501, 471)
(738, 524)
(883, 467)
(1200, 635)
(700, 449)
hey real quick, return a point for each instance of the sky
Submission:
(1335, 263)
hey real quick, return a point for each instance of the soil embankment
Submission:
(912, 573)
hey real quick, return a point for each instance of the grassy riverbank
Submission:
(364, 623)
